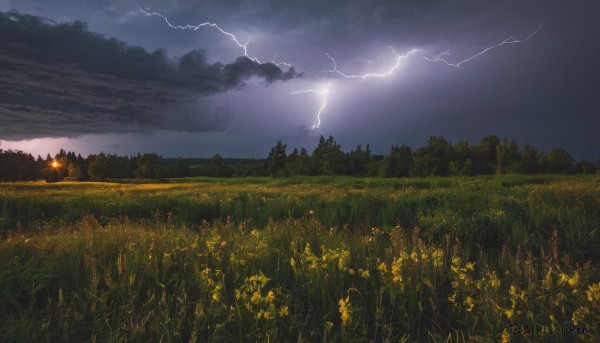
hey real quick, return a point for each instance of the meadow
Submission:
(507, 258)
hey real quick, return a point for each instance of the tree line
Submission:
(439, 157)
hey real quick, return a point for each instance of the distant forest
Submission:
(439, 157)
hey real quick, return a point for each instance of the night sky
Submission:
(94, 75)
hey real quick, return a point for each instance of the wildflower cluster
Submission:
(330, 260)
(212, 282)
(345, 310)
(262, 302)
(411, 263)
(462, 284)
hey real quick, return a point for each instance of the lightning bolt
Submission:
(399, 58)
(323, 93)
(441, 57)
(509, 40)
(363, 77)
(279, 64)
(243, 46)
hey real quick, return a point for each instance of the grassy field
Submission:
(201, 259)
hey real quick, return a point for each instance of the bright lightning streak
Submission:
(365, 76)
(399, 58)
(510, 40)
(244, 46)
(323, 95)
(279, 64)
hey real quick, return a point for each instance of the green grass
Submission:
(200, 259)
(489, 211)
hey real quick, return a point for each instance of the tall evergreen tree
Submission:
(276, 162)
(328, 158)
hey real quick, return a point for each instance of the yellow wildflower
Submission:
(574, 280)
(505, 336)
(452, 298)
(271, 296)
(283, 311)
(344, 259)
(593, 292)
(267, 315)
(345, 310)
(414, 256)
(579, 315)
(513, 290)
(255, 298)
(509, 312)
(469, 304)
(456, 261)
(494, 281)
(364, 273)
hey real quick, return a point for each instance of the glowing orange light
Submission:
(55, 164)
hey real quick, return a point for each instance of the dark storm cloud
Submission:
(542, 92)
(62, 80)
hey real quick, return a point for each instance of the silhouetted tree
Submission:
(328, 158)
(216, 167)
(398, 163)
(558, 161)
(148, 166)
(437, 157)
(433, 159)
(74, 173)
(276, 162)
(531, 160)
(179, 169)
(98, 169)
(485, 155)
(585, 167)
(358, 161)
(507, 157)
(16, 165)
(120, 167)
(300, 163)
(462, 159)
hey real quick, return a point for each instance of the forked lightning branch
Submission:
(325, 91)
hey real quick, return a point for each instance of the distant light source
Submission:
(55, 164)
